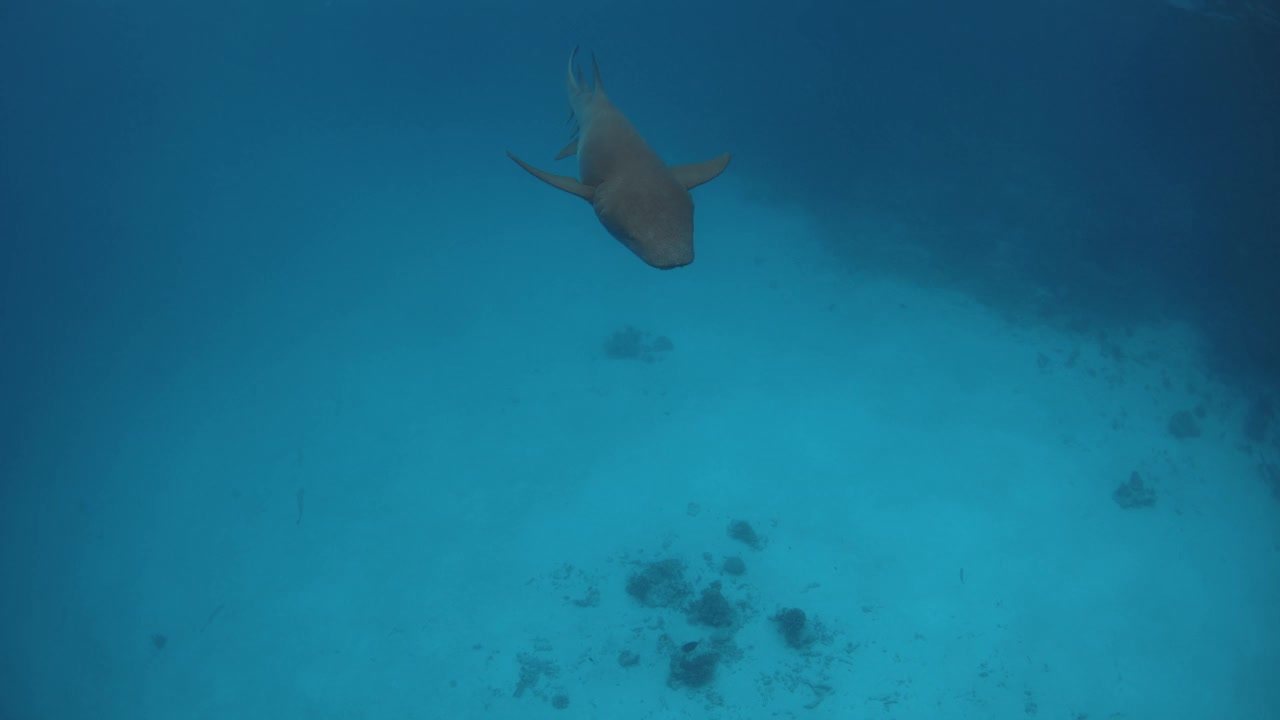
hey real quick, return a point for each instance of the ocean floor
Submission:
(513, 496)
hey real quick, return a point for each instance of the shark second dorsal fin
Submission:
(562, 182)
(570, 149)
(695, 174)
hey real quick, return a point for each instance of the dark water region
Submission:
(1094, 163)
(1097, 164)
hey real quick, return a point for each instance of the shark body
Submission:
(639, 199)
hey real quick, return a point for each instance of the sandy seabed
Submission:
(375, 520)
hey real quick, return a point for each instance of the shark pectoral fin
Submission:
(695, 174)
(570, 149)
(563, 182)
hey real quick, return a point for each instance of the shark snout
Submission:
(661, 249)
(669, 255)
(655, 223)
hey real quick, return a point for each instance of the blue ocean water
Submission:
(317, 406)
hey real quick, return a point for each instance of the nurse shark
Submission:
(639, 199)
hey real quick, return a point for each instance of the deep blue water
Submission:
(308, 402)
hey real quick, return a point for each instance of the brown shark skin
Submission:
(641, 201)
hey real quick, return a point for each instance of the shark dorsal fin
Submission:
(695, 174)
(596, 83)
(561, 182)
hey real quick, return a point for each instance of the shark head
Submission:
(653, 220)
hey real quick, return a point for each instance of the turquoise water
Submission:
(317, 406)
